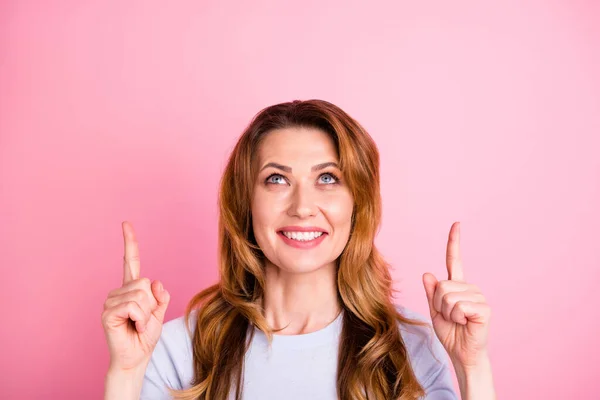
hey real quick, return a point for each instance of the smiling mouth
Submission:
(302, 239)
(303, 236)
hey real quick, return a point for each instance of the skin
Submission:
(301, 292)
(460, 317)
(301, 289)
(130, 345)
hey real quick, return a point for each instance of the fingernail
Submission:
(160, 287)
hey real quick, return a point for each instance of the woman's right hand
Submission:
(134, 313)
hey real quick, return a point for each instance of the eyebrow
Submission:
(289, 169)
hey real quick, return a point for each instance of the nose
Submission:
(303, 203)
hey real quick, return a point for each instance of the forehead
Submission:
(296, 144)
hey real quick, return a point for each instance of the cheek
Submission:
(339, 210)
(267, 204)
(265, 211)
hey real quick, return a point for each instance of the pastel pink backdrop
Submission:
(484, 114)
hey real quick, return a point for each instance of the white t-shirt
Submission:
(297, 366)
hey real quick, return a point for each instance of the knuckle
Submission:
(446, 299)
(443, 285)
(145, 282)
(449, 298)
(130, 306)
(140, 296)
(138, 307)
(126, 287)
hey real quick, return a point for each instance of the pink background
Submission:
(485, 114)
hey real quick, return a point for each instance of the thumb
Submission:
(162, 298)
(430, 283)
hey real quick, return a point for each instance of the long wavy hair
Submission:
(373, 361)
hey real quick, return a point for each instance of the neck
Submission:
(298, 303)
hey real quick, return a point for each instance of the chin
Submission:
(302, 266)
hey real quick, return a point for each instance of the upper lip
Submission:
(302, 229)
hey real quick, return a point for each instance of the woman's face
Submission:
(301, 209)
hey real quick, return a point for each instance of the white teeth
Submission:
(302, 236)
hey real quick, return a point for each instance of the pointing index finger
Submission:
(453, 258)
(131, 258)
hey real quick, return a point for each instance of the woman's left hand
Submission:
(459, 312)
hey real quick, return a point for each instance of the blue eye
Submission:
(278, 179)
(268, 180)
(332, 179)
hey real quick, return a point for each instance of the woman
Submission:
(303, 308)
